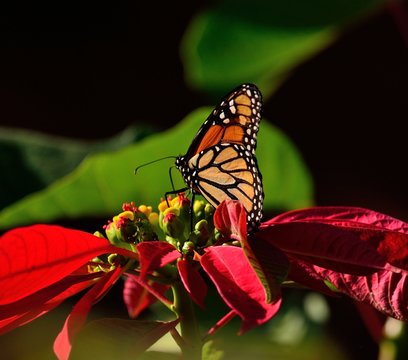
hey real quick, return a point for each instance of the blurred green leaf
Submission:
(156, 355)
(103, 181)
(31, 160)
(118, 338)
(210, 351)
(261, 41)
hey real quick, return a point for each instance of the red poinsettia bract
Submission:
(41, 266)
(357, 252)
(229, 270)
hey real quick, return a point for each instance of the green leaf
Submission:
(31, 160)
(118, 338)
(211, 352)
(286, 179)
(157, 355)
(104, 181)
(237, 41)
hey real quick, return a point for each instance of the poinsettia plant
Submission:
(175, 255)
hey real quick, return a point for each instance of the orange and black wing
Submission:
(220, 162)
(229, 171)
(235, 120)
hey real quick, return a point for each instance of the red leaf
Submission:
(37, 304)
(192, 281)
(137, 298)
(385, 290)
(332, 247)
(345, 215)
(155, 254)
(388, 235)
(15, 321)
(230, 219)
(269, 263)
(373, 319)
(76, 319)
(37, 256)
(362, 253)
(238, 285)
(152, 290)
(303, 273)
(271, 266)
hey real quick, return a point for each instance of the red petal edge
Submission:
(238, 285)
(76, 319)
(230, 219)
(137, 298)
(34, 257)
(155, 254)
(39, 303)
(192, 281)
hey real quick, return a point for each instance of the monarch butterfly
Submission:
(220, 162)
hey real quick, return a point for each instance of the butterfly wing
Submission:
(230, 171)
(235, 120)
(220, 162)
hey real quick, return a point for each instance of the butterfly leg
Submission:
(167, 193)
(192, 211)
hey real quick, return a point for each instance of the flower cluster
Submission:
(187, 227)
(133, 225)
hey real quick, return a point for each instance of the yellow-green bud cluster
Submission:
(132, 226)
(185, 230)
(188, 228)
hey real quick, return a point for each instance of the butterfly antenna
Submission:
(171, 178)
(152, 162)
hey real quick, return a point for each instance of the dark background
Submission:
(88, 70)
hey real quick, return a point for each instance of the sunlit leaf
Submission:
(104, 181)
(37, 256)
(262, 42)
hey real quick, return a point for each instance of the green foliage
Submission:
(31, 160)
(118, 338)
(261, 41)
(105, 180)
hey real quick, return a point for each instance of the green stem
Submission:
(184, 308)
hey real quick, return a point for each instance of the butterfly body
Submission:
(220, 162)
